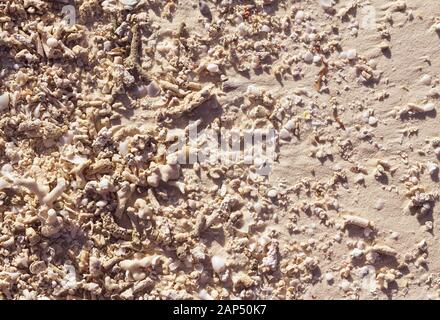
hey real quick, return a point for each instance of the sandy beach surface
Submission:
(127, 171)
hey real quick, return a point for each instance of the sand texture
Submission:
(105, 192)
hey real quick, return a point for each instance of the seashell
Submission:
(432, 168)
(265, 29)
(104, 184)
(308, 57)
(218, 264)
(272, 193)
(101, 204)
(284, 134)
(379, 205)
(351, 54)
(52, 42)
(37, 267)
(4, 101)
(213, 68)
(365, 116)
(300, 15)
(107, 45)
(317, 59)
(123, 147)
(153, 89)
(426, 79)
(51, 216)
(326, 4)
(290, 125)
(356, 253)
(428, 107)
(372, 121)
(130, 3)
(242, 28)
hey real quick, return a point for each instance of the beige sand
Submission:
(92, 207)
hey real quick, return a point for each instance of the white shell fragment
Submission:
(4, 101)
(428, 107)
(272, 193)
(372, 121)
(351, 54)
(130, 3)
(308, 57)
(52, 42)
(432, 168)
(326, 4)
(218, 264)
(213, 68)
(299, 16)
(426, 79)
